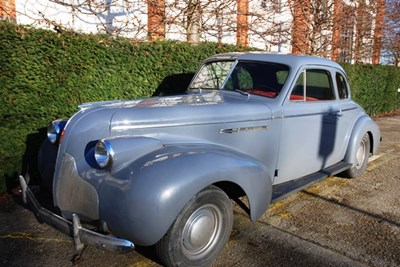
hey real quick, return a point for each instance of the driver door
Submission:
(309, 125)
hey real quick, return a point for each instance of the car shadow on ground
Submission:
(363, 212)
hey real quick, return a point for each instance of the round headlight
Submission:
(103, 153)
(54, 130)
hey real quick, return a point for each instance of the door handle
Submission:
(338, 113)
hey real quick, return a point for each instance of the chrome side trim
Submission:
(348, 109)
(177, 124)
(329, 112)
(311, 114)
(242, 129)
(73, 229)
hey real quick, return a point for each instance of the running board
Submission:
(280, 191)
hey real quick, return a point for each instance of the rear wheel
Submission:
(362, 156)
(200, 231)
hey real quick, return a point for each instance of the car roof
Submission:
(292, 60)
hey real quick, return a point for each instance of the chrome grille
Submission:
(74, 194)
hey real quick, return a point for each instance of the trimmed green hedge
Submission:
(374, 87)
(44, 75)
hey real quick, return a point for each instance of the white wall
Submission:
(128, 18)
(123, 18)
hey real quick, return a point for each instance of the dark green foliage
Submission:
(44, 75)
(374, 87)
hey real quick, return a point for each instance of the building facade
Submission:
(343, 30)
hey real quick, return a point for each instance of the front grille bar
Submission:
(74, 229)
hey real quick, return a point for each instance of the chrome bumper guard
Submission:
(74, 229)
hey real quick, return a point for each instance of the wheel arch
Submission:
(364, 125)
(372, 142)
(235, 192)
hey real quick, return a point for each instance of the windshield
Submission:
(212, 75)
(252, 77)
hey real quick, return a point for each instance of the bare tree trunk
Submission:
(301, 27)
(360, 24)
(242, 23)
(7, 10)
(156, 19)
(379, 20)
(337, 12)
(193, 21)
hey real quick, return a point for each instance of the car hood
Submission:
(197, 109)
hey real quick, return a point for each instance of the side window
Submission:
(342, 86)
(313, 85)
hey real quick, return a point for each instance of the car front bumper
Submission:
(74, 229)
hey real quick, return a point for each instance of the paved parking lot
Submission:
(337, 222)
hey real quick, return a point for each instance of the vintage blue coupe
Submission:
(162, 171)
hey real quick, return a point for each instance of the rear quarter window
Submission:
(342, 86)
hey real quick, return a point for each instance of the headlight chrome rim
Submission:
(54, 130)
(103, 153)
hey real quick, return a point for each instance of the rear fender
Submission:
(141, 202)
(363, 125)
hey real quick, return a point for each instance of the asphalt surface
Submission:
(336, 222)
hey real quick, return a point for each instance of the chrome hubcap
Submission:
(202, 231)
(360, 157)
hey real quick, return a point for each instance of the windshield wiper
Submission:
(241, 92)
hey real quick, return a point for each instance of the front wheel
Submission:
(200, 231)
(362, 157)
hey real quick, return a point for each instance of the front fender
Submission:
(363, 125)
(141, 202)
